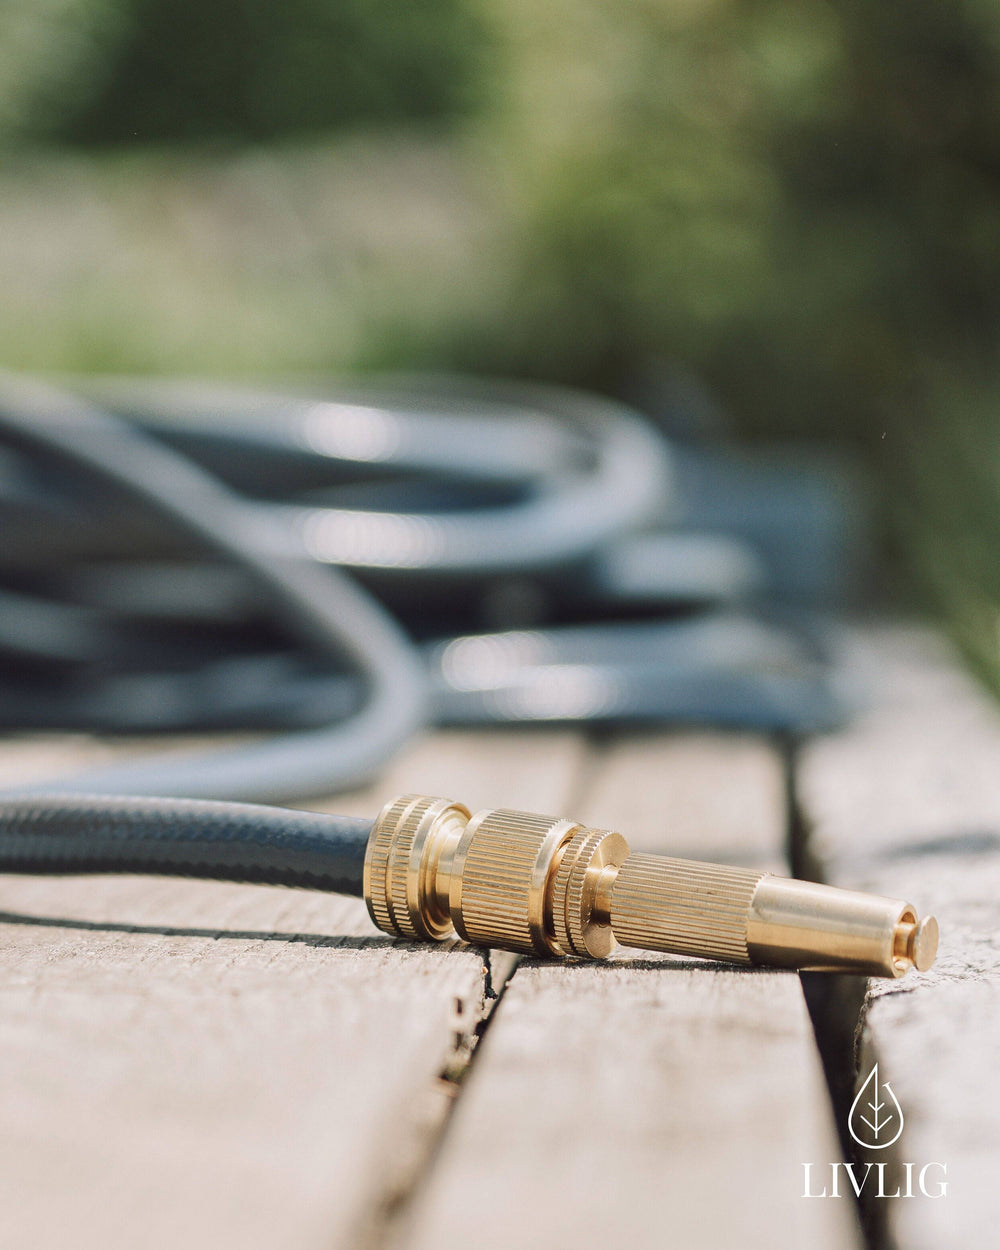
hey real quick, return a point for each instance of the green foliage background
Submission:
(798, 202)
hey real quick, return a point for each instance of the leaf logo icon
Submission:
(876, 1118)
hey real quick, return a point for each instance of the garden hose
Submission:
(429, 870)
(175, 557)
(318, 565)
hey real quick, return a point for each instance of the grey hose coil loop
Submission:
(170, 564)
(330, 614)
(578, 472)
(591, 469)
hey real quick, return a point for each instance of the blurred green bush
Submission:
(117, 71)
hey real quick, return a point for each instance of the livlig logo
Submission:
(875, 1121)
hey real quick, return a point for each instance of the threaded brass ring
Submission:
(588, 856)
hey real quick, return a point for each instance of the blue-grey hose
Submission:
(80, 833)
(577, 471)
(149, 604)
(326, 610)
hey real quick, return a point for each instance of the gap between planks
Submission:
(906, 802)
(215, 1065)
(649, 1100)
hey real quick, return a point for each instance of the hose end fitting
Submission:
(551, 887)
(432, 868)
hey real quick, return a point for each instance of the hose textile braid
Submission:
(56, 834)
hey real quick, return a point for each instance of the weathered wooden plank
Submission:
(906, 802)
(535, 770)
(163, 1088)
(530, 769)
(717, 797)
(204, 1064)
(648, 1101)
(36, 758)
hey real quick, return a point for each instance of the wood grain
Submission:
(700, 795)
(201, 1064)
(534, 770)
(649, 1101)
(906, 802)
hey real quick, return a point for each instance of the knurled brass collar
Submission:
(431, 868)
(401, 862)
(500, 880)
(591, 860)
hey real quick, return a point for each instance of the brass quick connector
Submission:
(553, 887)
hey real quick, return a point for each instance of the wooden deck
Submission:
(196, 1064)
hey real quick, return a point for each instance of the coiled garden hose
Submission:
(323, 608)
(320, 566)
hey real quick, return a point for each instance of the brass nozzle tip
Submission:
(552, 887)
(915, 944)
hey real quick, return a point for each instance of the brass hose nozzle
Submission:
(552, 887)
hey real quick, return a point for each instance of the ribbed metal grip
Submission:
(578, 928)
(499, 879)
(377, 860)
(395, 885)
(682, 906)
